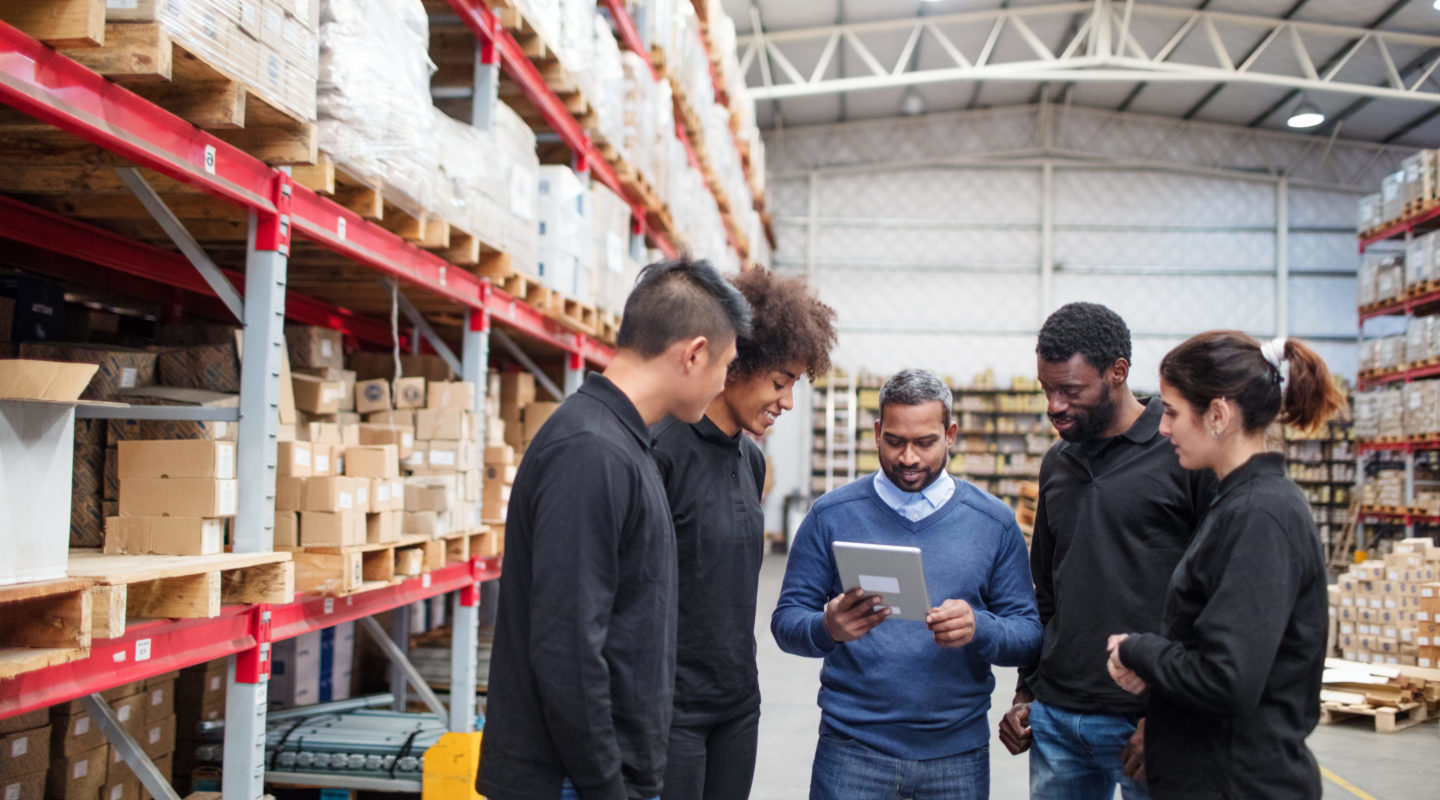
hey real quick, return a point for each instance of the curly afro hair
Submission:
(790, 325)
(1087, 328)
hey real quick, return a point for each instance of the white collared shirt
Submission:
(915, 506)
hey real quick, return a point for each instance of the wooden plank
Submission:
(266, 583)
(331, 573)
(132, 52)
(36, 589)
(464, 250)
(213, 105)
(19, 660)
(378, 565)
(46, 614)
(434, 551)
(107, 611)
(184, 596)
(318, 177)
(58, 23)
(457, 549)
(113, 569)
(118, 206)
(297, 144)
(410, 561)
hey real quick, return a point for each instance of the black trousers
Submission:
(712, 762)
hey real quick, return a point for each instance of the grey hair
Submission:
(914, 387)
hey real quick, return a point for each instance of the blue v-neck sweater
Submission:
(894, 689)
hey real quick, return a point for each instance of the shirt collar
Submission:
(935, 494)
(1258, 465)
(1145, 427)
(711, 432)
(603, 389)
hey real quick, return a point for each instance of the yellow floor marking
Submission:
(1346, 785)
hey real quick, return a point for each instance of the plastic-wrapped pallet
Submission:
(1391, 413)
(1417, 339)
(1392, 352)
(1365, 281)
(1370, 354)
(1419, 185)
(576, 48)
(374, 101)
(544, 17)
(1390, 278)
(1369, 215)
(638, 115)
(567, 239)
(615, 271)
(607, 96)
(1367, 415)
(1392, 197)
(270, 47)
(1419, 399)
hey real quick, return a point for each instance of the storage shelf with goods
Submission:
(1004, 432)
(1322, 463)
(204, 235)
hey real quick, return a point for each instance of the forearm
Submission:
(801, 631)
(1007, 641)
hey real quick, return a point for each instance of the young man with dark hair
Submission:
(903, 704)
(583, 669)
(1115, 513)
(714, 477)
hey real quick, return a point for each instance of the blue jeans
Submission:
(567, 791)
(1077, 756)
(848, 770)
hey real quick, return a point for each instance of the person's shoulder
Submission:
(855, 491)
(578, 444)
(668, 429)
(984, 503)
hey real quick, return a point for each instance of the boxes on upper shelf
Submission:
(311, 346)
(178, 497)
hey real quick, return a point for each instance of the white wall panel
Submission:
(1149, 197)
(1180, 304)
(919, 299)
(1315, 208)
(971, 195)
(959, 357)
(999, 250)
(1330, 252)
(1322, 306)
(1342, 359)
(1194, 251)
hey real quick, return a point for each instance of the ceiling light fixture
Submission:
(1306, 114)
(912, 104)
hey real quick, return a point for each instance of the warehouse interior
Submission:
(288, 288)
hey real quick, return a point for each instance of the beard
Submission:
(1089, 422)
(928, 474)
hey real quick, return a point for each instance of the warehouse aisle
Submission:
(1402, 766)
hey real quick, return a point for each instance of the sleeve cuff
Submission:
(1138, 652)
(819, 637)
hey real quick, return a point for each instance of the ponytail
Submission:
(1295, 387)
(1311, 397)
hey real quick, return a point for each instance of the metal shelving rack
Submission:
(46, 86)
(1427, 303)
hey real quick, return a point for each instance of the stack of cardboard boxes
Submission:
(199, 697)
(24, 754)
(315, 667)
(1388, 612)
(81, 765)
(174, 497)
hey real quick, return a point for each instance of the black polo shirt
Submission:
(583, 670)
(714, 483)
(1109, 529)
(1235, 673)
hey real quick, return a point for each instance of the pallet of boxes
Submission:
(1386, 623)
(372, 486)
(511, 425)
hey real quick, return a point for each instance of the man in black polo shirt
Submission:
(583, 669)
(1115, 513)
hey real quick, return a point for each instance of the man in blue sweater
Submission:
(904, 704)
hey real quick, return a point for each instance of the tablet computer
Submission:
(895, 573)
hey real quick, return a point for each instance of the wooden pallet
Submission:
(1423, 288)
(344, 571)
(526, 288)
(128, 588)
(575, 315)
(148, 61)
(1386, 720)
(46, 623)
(1416, 208)
(609, 327)
(58, 23)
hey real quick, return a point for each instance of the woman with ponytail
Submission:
(1234, 676)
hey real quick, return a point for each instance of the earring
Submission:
(1214, 433)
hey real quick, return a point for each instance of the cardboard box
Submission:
(121, 430)
(383, 527)
(120, 368)
(295, 671)
(120, 780)
(175, 536)
(158, 738)
(293, 460)
(176, 459)
(457, 395)
(287, 529)
(308, 345)
(78, 777)
(402, 438)
(24, 752)
(384, 495)
(334, 494)
(517, 390)
(130, 711)
(372, 396)
(445, 456)
(403, 417)
(315, 395)
(319, 432)
(23, 787)
(535, 416)
(423, 495)
(159, 701)
(212, 367)
(24, 722)
(443, 423)
(423, 523)
(372, 461)
(332, 529)
(495, 473)
(322, 459)
(178, 497)
(419, 456)
(200, 691)
(289, 494)
(24, 379)
(501, 455)
(409, 393)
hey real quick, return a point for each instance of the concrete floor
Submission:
(1401, 766)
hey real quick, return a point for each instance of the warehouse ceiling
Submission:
(1372, 67)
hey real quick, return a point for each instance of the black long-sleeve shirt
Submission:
(1235, 673)
(714, 483)
(583, 670)
(1109, 529)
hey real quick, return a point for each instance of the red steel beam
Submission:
(1425, 221)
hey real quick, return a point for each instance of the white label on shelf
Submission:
(329, 605)
(19, 747)
(117, 792)
(442, 276)
(210, 158)
(340, 227)
(157, 697)
(357, 571)
(127, 378)
(12, 792)
(214, 683)
(425, 580)
(614, 252)
(82, 768)
(142, 650)
(155, 735)
(347, 501)
(123, 714)
(82, 726)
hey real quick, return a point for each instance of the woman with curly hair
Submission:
(714, 477)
